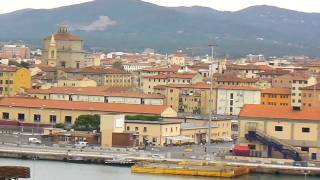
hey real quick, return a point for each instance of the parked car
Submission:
(34, 140)
(157, 156)
(227, 139)
(81, 144)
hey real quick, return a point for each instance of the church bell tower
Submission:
(52, 53)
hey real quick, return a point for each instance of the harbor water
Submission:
(51, 170)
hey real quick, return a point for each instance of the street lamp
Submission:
(210, 98)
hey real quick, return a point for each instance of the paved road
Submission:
(193, 151)
(189, 152)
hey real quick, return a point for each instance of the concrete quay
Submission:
(99, 156)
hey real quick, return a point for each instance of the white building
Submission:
(299, 82)
(230, 99)
(130, 67)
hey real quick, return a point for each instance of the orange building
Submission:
(310, 96)
(276, 97)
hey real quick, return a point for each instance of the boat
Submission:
(120, 161)
(76, 159)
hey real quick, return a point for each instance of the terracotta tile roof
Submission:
(235, 79)
(82, 106)
(314, 87)
(8, 68)
(94, 70)
(65, 37)
(47, 68)
(207, 86)
(231, 87)
(249, 67)
(275, 72)
(279, 112)
(276, 91)
(177, 75)
(95, 91)
(162, 69)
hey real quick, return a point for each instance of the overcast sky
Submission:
(229, 5)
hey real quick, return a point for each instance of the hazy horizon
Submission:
(222, 5)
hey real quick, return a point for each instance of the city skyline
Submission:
(226, 5)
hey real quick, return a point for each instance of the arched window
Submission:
(52, 54)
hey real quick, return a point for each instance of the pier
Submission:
(98, 156)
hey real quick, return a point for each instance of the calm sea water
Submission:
(49, 170)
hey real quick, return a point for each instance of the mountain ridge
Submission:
(135, 25)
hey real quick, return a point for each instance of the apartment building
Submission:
(310, 96)
(109, 76)
(248, 70)
(15, 52)
(14, 80)
(295, 81)
(177, 59)
(276, 96)
(231, 99)
(195, 98)
(234, 80)
(83, 82)
(149, 82)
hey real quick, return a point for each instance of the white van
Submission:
(34, 140)
(81, 144)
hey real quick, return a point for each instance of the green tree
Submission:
(143, 118)
(117, 65)
(22, 64)
(87, 123)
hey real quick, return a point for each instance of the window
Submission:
(231, 95)
(144, 129)
(278, 128)
(52, 54)
(154, 140)
(20, 117)
(36, 117)
(305, 130)
(53, 119)
(136, 129)
(128, 128)
(68, 120)
(305, 149)
(5, 115)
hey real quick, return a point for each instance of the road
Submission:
(188, 152)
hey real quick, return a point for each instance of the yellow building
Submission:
(109, 124)
(149, 82)
(195, 98)
(236, 81)
(14, 80)
(177, 59)
(103, 76)
(189, 98)
(296, 132)
(154, 132)
(198, 131)
(38, 111)
(84, 82)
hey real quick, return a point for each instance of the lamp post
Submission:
(210, 99)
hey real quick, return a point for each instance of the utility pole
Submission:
(210, 100)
